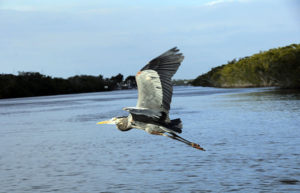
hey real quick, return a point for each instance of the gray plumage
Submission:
(155, 92)
(122, 124)
(154, 80)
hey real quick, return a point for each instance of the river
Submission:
(52, 144)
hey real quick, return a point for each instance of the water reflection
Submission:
(273, 94)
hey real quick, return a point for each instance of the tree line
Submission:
(276, 67)
(27, 84)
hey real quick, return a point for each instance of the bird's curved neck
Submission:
(124, 124)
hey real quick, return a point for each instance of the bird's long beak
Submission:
(106, 122)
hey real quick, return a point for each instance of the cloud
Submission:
(216, 2)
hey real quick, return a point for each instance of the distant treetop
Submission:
(275, 67)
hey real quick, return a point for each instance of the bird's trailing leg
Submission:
(178, 138)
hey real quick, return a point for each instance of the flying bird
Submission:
(155, 90)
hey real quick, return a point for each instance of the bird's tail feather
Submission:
(175, 125)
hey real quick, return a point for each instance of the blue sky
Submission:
(63, 38)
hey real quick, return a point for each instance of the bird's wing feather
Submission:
(150, 94)
(154, 81)
(147, 115)
(151, 116)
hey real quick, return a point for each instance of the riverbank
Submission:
(29, 84)
(279, 67)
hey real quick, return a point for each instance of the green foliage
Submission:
(275, 67)
(27, 84)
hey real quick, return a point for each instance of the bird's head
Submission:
(120, 122)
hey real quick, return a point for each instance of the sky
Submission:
(63, 38)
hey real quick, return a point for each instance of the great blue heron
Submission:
(154, 97)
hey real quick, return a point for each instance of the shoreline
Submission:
(106, 91)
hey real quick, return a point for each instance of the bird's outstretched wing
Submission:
(154, 81)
